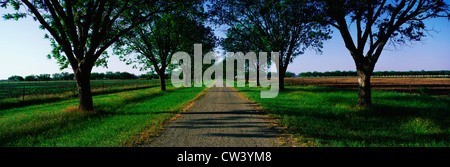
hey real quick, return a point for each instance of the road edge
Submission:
(148, 135)
(284, 138)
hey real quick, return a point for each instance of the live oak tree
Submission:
(379, 23)
(287, 27)
(81, 30)
(155, 42)
(238, 39)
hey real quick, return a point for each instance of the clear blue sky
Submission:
(432, 53)
(23, 51)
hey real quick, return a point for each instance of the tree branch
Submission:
(63, 42)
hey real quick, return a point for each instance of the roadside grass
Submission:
(325, 116)
(120, 119)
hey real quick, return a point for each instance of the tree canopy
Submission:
(379, 23)
(155, 42)
(287, 27)
(81, 31)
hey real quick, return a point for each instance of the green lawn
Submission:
(323, 116)
(127, 118)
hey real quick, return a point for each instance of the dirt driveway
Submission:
(221, 118)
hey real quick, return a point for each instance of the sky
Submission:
(432, 53)
(23, 51)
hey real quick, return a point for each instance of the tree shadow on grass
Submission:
(113, 108)
(374, 127)
(332, 118)
(66, 122)
(45, 129)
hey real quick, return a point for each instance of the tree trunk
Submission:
(364, 92)
(257, 74)
(84, 90)
(247, 75)
(162, 80)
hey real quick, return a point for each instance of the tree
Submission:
(289, 74)
(56, 76)
(127, 75)
(67, 76)
(155, 42)
(238, 39)
(97, 76)
(82, 30)
(379, 22)
(31, 78)
(43, 77)
(110, 75)
(287, 27)
(16, 78)
(149, 75)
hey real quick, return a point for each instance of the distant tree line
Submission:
(150, 75)
(94, 76)
(43, 77)
(376, 73)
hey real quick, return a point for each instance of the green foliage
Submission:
(272, 26)
(288, 27)
(63, 76)
(15, 78)
(397, 21)
(81, 31)
(43, 77)
(149, 75)
(289, 74)
(70, 76)
(155, 42)
(31, 78)
(111, 75)
(240, 39)
(379, 23)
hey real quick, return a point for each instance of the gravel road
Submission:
(220, 118)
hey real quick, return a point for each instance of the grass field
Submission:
(25, 89)
(128, 118)
(313, 116)
(19, 94)
(327, 116)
